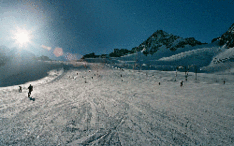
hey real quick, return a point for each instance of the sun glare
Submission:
(22, 37)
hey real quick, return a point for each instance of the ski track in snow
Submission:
(112, 110)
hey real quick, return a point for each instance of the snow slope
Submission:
(204, 57)
(99, 105)
(224, 61)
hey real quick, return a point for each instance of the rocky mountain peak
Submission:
(228, 37)
(231, 29)
(161, 39)
(159, 34)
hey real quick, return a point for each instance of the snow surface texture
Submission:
(100, 105)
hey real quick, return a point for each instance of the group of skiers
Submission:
(30, 88)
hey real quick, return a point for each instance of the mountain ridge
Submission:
(228, 37)
(161, 38)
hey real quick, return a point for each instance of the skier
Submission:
(181, 83)
(20, 89)
(30, 88)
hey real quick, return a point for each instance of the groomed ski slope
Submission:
(109, 109)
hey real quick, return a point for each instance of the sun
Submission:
(22, 37)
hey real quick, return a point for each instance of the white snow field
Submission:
(105, 106)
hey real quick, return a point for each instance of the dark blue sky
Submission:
(99, 26)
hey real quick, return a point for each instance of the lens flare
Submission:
(46, 47)
(58, 52)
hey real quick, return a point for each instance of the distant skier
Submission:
(181, 83)
(30, 88)
(20, 89)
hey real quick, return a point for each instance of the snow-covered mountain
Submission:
(161, 40)
(165, 59)
(165, 51)
(206, 58)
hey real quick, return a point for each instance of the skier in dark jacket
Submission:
(181, 83)
(30, 88)
(20, 89)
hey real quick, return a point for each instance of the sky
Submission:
(72, 28)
